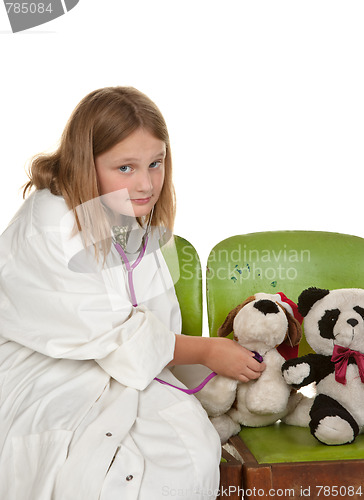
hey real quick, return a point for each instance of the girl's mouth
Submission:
(141, 201)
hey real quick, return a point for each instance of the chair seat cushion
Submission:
(285, 443)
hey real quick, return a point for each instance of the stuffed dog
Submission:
(261, 323)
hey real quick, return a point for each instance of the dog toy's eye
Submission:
(257, 356)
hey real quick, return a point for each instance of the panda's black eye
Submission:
(359, 310)
(327, 323)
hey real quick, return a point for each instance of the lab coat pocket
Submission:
(202, 444)
(37, 458)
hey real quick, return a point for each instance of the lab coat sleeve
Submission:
(64, 314)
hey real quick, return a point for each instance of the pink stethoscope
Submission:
(129, 269)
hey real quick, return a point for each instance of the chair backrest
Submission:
(185, 267)
(280, 261)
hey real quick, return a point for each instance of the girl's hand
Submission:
(223, 356)
(227, 357)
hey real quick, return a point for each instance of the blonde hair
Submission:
(100, 121)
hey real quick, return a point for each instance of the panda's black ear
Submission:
(308, 297)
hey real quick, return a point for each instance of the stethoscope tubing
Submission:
(130, 267)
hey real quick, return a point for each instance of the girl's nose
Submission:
(144, 182)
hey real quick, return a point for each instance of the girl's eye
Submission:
(155, 164)
(125, 168)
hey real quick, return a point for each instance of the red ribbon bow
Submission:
(341, 357)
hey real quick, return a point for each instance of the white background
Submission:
(264, 101)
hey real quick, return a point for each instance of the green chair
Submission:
(282, 458)
(185, 267)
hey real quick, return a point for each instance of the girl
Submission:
(90, 318)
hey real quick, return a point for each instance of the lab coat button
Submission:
(108, 434)
(129, 478)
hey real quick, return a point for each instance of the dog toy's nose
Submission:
(266, 306)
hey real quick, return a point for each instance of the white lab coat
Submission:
(80, 414)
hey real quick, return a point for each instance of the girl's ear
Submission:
(227, 326)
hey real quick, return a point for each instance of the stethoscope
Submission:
(130, 267)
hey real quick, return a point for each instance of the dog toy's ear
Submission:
(227, 326)
(294, 333)
(308, 297)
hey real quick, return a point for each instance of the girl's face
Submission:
(131, 174)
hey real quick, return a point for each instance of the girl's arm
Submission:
(223, 356)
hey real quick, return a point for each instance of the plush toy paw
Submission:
(225, 427)
(331, 423)
(334, 431)
(218, 395)
(295, 374)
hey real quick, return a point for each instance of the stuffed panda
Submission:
(334, 328)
